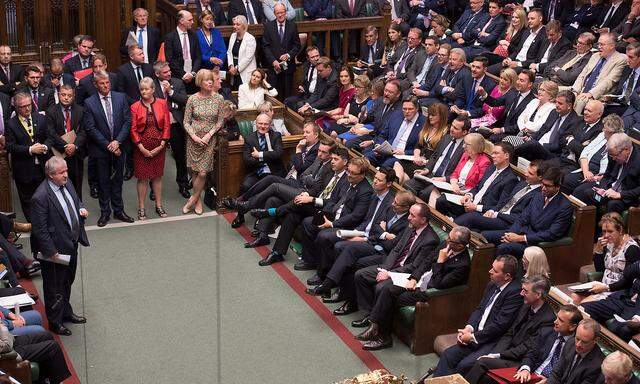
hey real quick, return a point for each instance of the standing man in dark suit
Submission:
(251, 9)
(182, 50)
(41, 96)
(444, 159)
(491, 319)
(619, 188)
(129, 74)
(146, 36)
(281, 45)
(57, 78)
(309, 80)
(107, 120)
(400, 14)
(534, 315)
(489, 33)
(10, 74)
(450, 265)
(416, 243)
(58, 228)
(262, 153)
(84, 57)
(510, 206)
(492, 191)
(547, 218)
(64, 118)
(172, 89)
(28, 143)
(580, 361)
(347, 9)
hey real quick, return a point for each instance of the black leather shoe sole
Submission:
(124, 218)
(303, 266)
(271, 259)
(259, 242)
(75, 319)
(60, 330)
(102, 221)
(345, 309)
(238, 221)
(361, 323)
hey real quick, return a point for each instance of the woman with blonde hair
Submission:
(241, 53)
(357, 109)
(507, 81)
(534, 262)
(514, 33)
(435, 127)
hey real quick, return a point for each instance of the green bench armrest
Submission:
(433, 292)
(561, 241)
(595, 276)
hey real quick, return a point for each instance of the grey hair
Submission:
(20, 96)
(100, 75)
(613, 124)
(464, 234)
(619, 141)
(241, 19)
(539, 284)
(591, 325)
(159, 65)
(265, 105)
(51, 166)
(618, 364)
(460, 52)
(147, 81)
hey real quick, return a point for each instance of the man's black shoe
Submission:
(93, 191)
(258, 242)
(315, 280)
(33, 268)
(184, 191)
(304, 266)
(59, 329)
(238, 221)
(255, 232)
(335, 297)
(103, 220)
(361, 323)
(319, 290)
(122, 216)
(75, 319)
(273, 257)
(380, 342)
(348, 307)
(259, 213)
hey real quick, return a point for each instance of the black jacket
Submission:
(173, 53)
(273, 48)
(57, 128)
(153, 42)
(128, 82)
(26, 167)
(271, 158)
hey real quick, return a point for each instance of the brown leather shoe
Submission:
(21, 227)
(369, 334)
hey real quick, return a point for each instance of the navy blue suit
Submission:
(460, 358)
(473, 104)
(389, 133)
(469, 24)
(495, 29)
(109, 167)
(537, 222)
(542, 347)
(495, 196)
(459, 80)
(533, 150)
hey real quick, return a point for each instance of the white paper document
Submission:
(404, 157)
(401, 279)
(561, 295)
(443, 185)
(347, 234)
(455, 199)
(523, 163)
(22, 300)
(582, 287)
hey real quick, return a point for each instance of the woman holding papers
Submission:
(614, 252)
(435, 127)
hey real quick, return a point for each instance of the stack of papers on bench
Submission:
(22, 300)
(442, 185)
(582, 288)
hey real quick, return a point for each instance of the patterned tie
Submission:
(67, 119)
(35, 99)
(329, 188)
(29, 127)
(281, 32)
(140, 39)
(593, 76)
(405, 251)
(631, 84)
(555, 356)
(109, 111)
(186, 53)
(72, 214)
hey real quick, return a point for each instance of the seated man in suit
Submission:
(42, 97)
(147, 36)
(57, 78)
(616, 368)
(628, 83)
(509, 208)
(370, 52)
(378, 209)
(416, 243)
(601, 73)
(593, 159)
(107, 120)
(534, 315)
(358, 252)
(28, 143)
(443, 160)
(305, 204)
(467, 28)
(421, 68)
(516, 100)
(62, 119)
(456, 82)
(449, 264)
(346, 213)
(547, 218)
(11, 74)
(619, 187)
(582, 134)
(554, 46)
(492, 191)
(548, 142)
(490, 320)
(84, 57)
(422, 87)
(539, 354)
(309, 81)
(564, 68)
(528, 48)
(401, 132)
(325, 95)
(490, 33)
(404, 59)
(262, 153)
(473, 104)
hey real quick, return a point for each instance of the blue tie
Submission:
(472, 94)
(447, 159)
(546, 371)
(262, 142)
(140, 37)
(593, 76)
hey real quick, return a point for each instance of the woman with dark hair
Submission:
(214, 52)
(347, 92)
(357, 109)
(394, 42)
(251, 94)
(435, 127)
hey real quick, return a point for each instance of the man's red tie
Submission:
(67, 119)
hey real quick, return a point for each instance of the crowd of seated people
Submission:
(462, 91)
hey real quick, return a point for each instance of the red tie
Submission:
(352, 5)
(67, 119)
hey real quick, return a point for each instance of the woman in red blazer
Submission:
(150, 131)
(472, 165)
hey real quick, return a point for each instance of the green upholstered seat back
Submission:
(245, 127)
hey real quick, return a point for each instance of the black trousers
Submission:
(585, 193)
(367, 288)
(178, 151)
(16, 260)
(250, 180)
(460, 358)
(476, 221)
(348, 284)
(41, 348)
(448, 208)
(25, 192)
(617, 303)
(532, 150)
(293, 216)
(571, 181)
(310, 232)
(478, 373)
(282, 81)
(56, 283)
(92, 174)
(266, 182)
(325, 243)
(389, 298)
(349, 252)
(110, 172)
(420, 188)
(75, 166)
